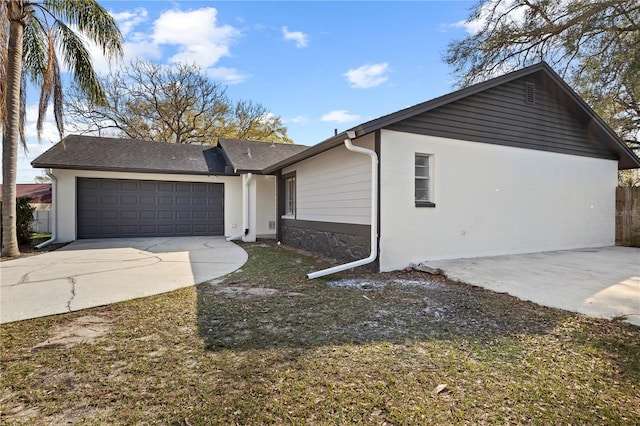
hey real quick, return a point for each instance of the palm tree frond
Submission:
(92, 20)
(35, 50)
(78, 59)
(51, 86)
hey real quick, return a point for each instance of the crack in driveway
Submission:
(21, 282)
(73, 292)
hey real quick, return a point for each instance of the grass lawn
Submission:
(266, 346)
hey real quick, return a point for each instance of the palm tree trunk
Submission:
(11, 135)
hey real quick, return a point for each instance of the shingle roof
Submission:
(255, 156)
(626, 158)
(112, 154)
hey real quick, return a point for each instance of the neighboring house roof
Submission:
(601, 132)
(254, 156)
(39, 193)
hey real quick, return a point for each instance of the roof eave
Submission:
(310, 152)
(125, 169)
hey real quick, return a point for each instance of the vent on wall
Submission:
(529, 93)
(272, 224)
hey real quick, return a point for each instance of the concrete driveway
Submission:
(599, 282)
(90, 273)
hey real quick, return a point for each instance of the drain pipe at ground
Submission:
(374, 212)
(54, 208)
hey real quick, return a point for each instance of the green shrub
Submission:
(24, 219)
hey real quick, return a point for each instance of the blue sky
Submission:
(320, 66)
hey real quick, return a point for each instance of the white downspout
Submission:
(374, 212)
(247, 212)
(54, 208)
(234, 237)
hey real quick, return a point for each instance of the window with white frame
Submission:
(423, 181)
(290, 196)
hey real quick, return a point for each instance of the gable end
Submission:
(526, 113)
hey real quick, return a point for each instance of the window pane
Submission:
(422, 171)
(290, 196)
(422, 184)
(422, 178)
(422, 195)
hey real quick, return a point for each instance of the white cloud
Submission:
(510, 10)
(367, 76)
(196, 34)
(301, 39)
(228, 75)
(49, 131)
(298, 119)
(128, 20)
(471, 27)
(136, 45)
(339, 116)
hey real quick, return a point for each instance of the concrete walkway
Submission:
(90, 273)
(600, 282)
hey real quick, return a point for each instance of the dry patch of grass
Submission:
(267, 346)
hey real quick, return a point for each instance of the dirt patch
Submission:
(369, 284)
(243, 290)
(85, 329)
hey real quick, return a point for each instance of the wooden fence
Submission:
(628, 216)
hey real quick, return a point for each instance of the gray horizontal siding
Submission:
(501, 116)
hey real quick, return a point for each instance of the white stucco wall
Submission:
(266, 205)
(66, 197)
(490, 200)
(335, 186)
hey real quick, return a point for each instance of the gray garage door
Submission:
(115, 208)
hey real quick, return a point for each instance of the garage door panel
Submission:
(109, 230)
(201, 228)
(129, 186)
(88, 214)
(147, 200)
(147, 186)
(129, 199)
(110, 208)
(183, 201)
(147, 229)
(109, 185)
(109, 214)
(129, 229)
(164, 200)
(129, 214)
(183, 229)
